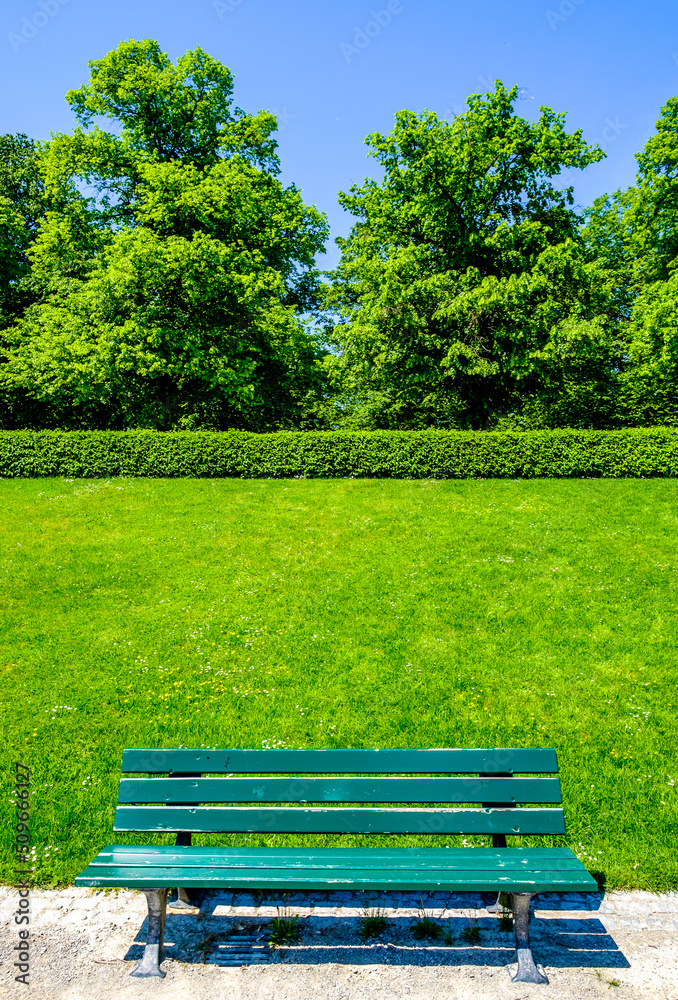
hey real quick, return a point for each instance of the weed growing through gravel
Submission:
(424, 926)
(610, 982)
(471, 934)
(372, 922)
(284, 928)
(448, 937)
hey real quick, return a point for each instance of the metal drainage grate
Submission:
(240, 949)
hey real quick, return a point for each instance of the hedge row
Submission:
(387, 454)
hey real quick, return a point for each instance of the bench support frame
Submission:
(184, 839)
(527, 970)
(183, 900)
(153, 952)
(157, 906)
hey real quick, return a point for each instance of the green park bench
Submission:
(379, 792)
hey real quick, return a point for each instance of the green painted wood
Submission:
(273, 819)
(543, 880)
(462, 869)
(186, 791)
(346, 858)
(371, 869)
(396, 761)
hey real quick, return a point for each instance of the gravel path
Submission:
(85, 943)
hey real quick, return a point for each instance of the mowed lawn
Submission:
(344, 613)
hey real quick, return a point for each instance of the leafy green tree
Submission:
(179, 113)
(464, 272)
(165, 113)
(634, 233)
(649, 387)
(655, 232)
(633, 237)
(175, 267)
(22, 204)
(169, 332)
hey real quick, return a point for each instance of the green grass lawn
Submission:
(347, 613)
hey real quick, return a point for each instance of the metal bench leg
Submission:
(153, 953)
(527, 970)
(183, 900)
(498, 839)
(498, 905)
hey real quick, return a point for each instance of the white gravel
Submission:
(85, 943)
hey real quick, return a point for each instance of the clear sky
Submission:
(336, 70)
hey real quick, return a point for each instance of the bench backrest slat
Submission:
(300, 781)
(509, 761)
(188, 791)
(274, 819)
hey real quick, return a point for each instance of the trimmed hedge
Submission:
(387, 454)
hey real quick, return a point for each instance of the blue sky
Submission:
(336, 70)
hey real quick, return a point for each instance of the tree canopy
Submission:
(464, 284)
(156, 273)
(173, 268)
(22, 205)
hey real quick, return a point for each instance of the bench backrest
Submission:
(464, 791)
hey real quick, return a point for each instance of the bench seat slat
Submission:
(534, 882)
(273, 819)
(368, 858)
(537, 874)
(340, 789)
(396, 761)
